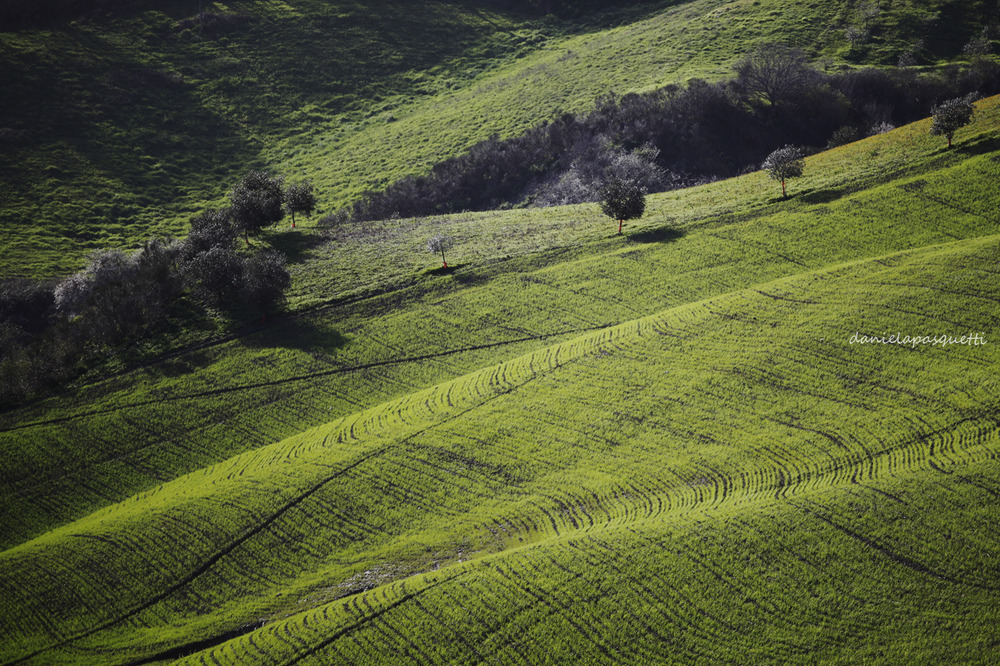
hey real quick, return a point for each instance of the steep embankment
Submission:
(465, 473)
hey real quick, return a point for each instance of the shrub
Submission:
(846, 134)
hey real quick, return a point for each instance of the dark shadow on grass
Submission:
(444, 270)
(295, 333)
(182, 365)
(296, 244)
(660, 235)
(821, 196)
(979, 147)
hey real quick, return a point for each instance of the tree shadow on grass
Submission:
(296, 333)
(980, 146)
(659, 235)
(444, 270)
(295, 244)
(820, 196)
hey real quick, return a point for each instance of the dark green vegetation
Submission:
(123, 124)
(573, 447)
(120, 309)
(679, 136)
(952, 115)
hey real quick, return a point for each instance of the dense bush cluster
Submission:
(679, 135)
(49, 332)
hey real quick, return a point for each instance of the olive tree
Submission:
(212, 228)
(300, 198)
(256, 202)
(119, 295)
(622, 200)
(951, 115)
(439, 244)
(785, 163)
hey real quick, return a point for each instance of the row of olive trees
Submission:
(624, 198)
(947, 118)
(50, 332)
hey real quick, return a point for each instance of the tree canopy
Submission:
(773, 72)
(256, 202)
(438, 244)
(623, 199)
(300, 198)
(952, 115)
(785, 163)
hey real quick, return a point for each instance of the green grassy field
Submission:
(572, 448)
(116, 129)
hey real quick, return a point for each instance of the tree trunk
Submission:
(443, 259)
(620, 227)
(293, 219)
(949, 139)
(784, 194)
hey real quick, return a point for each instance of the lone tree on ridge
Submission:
(951, 115)
(622, 200)
(439, 244)
(785, 163)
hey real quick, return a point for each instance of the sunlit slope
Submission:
(560, 272)
(726, 478)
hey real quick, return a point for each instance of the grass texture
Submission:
(572, 448)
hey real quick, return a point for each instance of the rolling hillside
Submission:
(572, 448)
(121, 126)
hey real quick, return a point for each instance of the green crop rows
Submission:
(571, 484)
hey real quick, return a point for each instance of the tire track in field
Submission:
(300, 378)
(207, 564)
(280, 512)
(891, 554)
(558, 607)
(367, 618)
